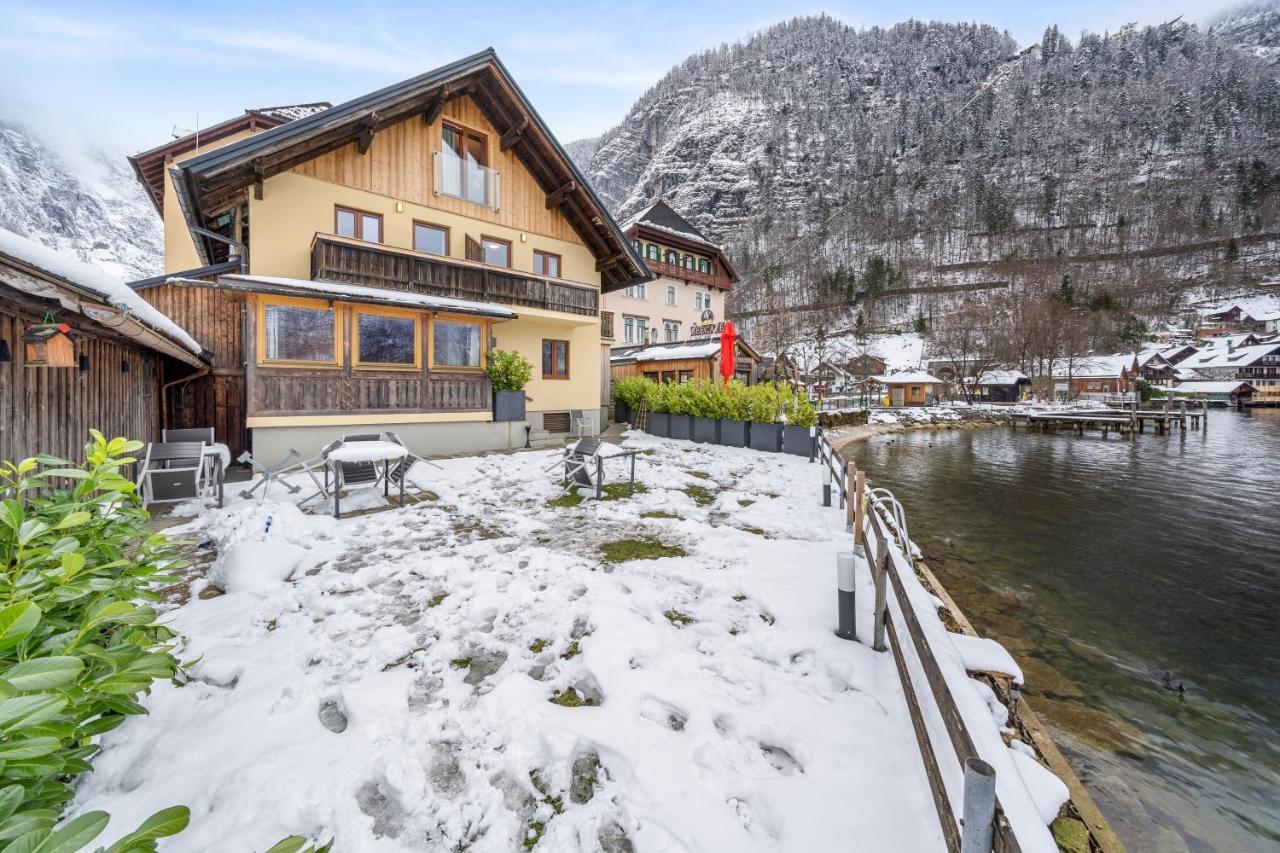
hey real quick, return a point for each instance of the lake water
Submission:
(1103, 565)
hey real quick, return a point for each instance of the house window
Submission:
(384, 338)
(704, 266)
(635, 291)
(555, 359)
(690, 262)
(357, 224)
(495, 251)
(299, 332)
(432, 239)
(702, 301)
(633, 330)
(464, 158)
(545, 263)
(639, 247)
(671, 294)
(686, 376)
(456, 343)
(670, 330)
(672, 257)
(653, 252)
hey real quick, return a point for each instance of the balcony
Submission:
(683, 273)
(375, 265)
(466, 179)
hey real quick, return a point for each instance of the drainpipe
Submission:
(164, 394)
(238, 250)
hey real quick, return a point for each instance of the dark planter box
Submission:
(621, 412)
(508, 405)
(766, 437)
(733, 433)
(706, 430)
(658, 424)
(681, 426)
(797, 441)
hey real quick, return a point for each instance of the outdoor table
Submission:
(621, 454)
(216, 459)
(371, 452)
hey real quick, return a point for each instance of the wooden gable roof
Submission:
(209, 183)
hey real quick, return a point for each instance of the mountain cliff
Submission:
(92, 208)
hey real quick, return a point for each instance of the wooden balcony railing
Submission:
(683, 273)
(606, 324)
(374, 265)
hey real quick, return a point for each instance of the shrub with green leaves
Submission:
(79, 641)
(508, 370)
(636, 392)
(764, 402)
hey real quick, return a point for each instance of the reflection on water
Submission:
(1103, 565)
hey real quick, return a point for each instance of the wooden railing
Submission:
(682, 272)
(374, 265)
(296, 392)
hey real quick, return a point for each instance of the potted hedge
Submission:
(508, 373)
(680, 405)
(800, 436)
(764, 410)
(629, 397)
(709, 402)
(731, 422)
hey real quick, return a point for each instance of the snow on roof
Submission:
(1093, 366)
(1228, 357)
(1001, 377)
(917, 377)
(1221, 387)
(1262, 307)
(292, 112)
(360, 293)
(700, 350)
(110, 289)
(662, 217)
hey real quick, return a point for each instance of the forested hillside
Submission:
(877, 169)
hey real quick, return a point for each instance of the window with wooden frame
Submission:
(358, 224)
(489, 250)
(653, 253)
(672, 257)
(385, 339)
(690, 262)
(457, 343)
(431, 239)
(298, 332)
(464, 169)
(704, 266)
(555, 359)
(546, 263)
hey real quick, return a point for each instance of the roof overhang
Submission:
(662, 235)
(209, 183)
(334, 291)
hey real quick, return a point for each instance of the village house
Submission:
(694, 277)
(1256, 364)
(866, 365)
(911, 388)
(351, 267)
(1001, 386)
(683, 361)
(1094, 376)
(1249, 314)
(79, 350)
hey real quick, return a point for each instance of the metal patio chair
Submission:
(583, 425)
(579, 463)
(400, 471)
(172, 472)
(318, 464)
(215, 474)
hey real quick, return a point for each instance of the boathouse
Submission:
(916, 388)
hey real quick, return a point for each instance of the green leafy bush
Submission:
(636, 392)
(79, 643)
(704, 398)
(508, 370)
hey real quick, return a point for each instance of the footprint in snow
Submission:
(662, 713)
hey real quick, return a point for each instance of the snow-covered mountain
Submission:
(834, 161)
(1252, 27)
(92, 207)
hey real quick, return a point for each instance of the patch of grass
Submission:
(745, 502)
(739, 597)
(766, 619)
(622, 550)
(555, 801)
(435, 600)
(538, 645)
(701, 495)
(756, 530)
(567, 500)
(701, 475)
(658, 513)
(572, 652)
(460, 663)
(675, 617)
(618, 491)
(570, 698)
(534, 835)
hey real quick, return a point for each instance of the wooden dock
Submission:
(1130, 421)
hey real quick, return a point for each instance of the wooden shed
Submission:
(907, 389)
(682, 361)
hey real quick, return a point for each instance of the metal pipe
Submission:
(241, 253)
(978, 831)
(164, 394)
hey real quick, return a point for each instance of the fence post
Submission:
(845, 629)
(859, 508)
(826, 485)
(880, 573)
(978, 831)
(851, 499)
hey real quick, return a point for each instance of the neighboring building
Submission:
(1231, 392)
(1259, 313)
(1091, 376)
(1002, 386)
(1257, 364)
(683, 361)
(907, 389)
(866, 365)
(380, 249)
(693, 279)
(117, 355)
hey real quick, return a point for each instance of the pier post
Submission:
(859, 509)
(851, 498)
(1204, 414)
(880, 573)
(979, 806)
(846, 613)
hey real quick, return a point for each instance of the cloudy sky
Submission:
(122, 75)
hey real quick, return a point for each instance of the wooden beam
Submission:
(604, 263)
(365, 140)
(436, 106)
(258, 178)
(512, 136)
(556, 197)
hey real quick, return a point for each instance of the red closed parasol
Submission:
(728, 348)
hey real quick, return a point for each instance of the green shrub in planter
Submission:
(79, 641)
(508, 370)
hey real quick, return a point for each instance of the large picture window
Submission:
(457, 343)
(298, 332)
(385, 339)
(432, 239)
(555, 359)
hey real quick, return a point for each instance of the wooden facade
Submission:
(376, 265)
(51, 409)
(685, 369)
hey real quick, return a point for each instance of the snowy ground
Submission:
(396, 694)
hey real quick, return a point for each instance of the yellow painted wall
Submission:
(294, 207)
(582, 389)
(179, 248)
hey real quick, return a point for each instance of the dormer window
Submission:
(704, 266)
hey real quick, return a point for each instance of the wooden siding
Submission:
(214, 318)
(275, 391)
(702, 368)
(399, 164)
(341, 259)
(51, 410)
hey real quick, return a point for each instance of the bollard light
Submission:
(826, 486)
(847, 620)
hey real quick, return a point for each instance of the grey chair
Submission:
(215, 472)
(400, 472)
(584, 425)
(358, 473)
(580, 463)
(172, 472)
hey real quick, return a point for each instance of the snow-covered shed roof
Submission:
(93, 282)
(1001, 377)
(1093, 366)
(1229, 386)
(1219, 357)
(917, 377)
(344, 292)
